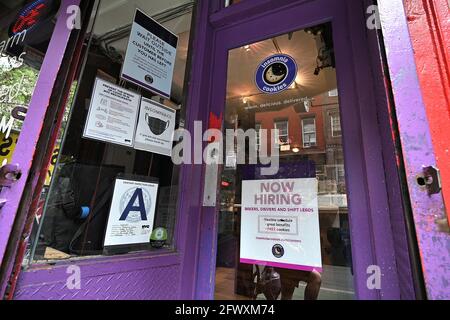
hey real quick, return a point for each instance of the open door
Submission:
(35, 37)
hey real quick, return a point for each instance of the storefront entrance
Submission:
(307, 218)
(303, 192)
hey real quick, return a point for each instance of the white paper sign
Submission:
(132, 213)
(112, 114)
(150, 58)
(156, 128)
(280, 224)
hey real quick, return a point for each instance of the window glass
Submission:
(115, 187)
(284, 234)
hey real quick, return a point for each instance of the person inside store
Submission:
(290, 280)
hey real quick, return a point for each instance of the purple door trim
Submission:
(417, 149)
(369, 204)
(409, 274)
(25, 149)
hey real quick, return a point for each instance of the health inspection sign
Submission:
(150, 58)
(280, 224)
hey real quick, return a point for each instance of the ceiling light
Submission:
(296, 150)
(247, 48)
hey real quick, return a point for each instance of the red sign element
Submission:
(29, 18)
(215, 122)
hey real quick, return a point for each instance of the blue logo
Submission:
(135, 204)
(276, 74)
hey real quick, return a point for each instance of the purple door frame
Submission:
(369, 202)
(190, 271)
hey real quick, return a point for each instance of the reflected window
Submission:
(336, 131)
(309, 132)
(282, 133)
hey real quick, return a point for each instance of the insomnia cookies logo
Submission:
(276, 73)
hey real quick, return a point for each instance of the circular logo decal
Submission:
(276, 73)
(159, 234)
(278, 251)
(158, 238)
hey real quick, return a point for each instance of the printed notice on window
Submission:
(112, 114)
(132, 213)
(150, 58)
(280, 224)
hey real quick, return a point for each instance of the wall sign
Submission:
(280, 224)
(276, 74)
(112, 114)
(132, 213)
(156, 128)
(150, 58)
(34, 13)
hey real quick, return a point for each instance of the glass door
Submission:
(284, 226)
